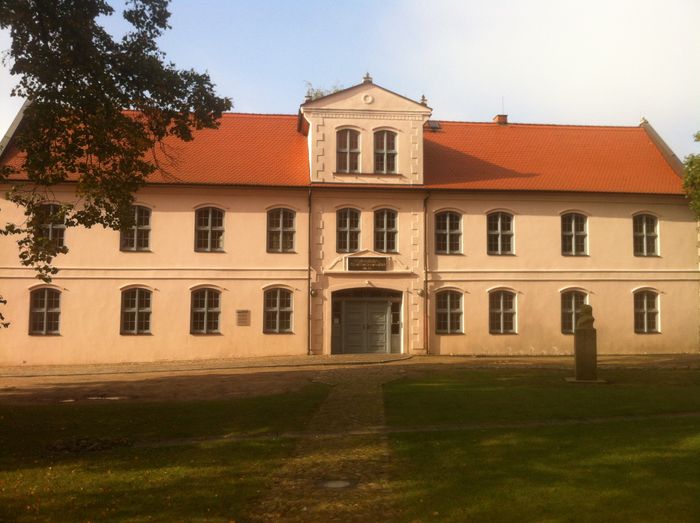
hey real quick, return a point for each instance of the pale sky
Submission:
(605, 62)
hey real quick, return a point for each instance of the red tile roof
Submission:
(255, 149)
(529, 157)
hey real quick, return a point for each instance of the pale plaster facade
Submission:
(323, 287)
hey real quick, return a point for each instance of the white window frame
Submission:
(451, 216)
(448, 311)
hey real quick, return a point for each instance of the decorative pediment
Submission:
(367, 98)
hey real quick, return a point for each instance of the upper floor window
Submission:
(571, 302)
(502, 312)
(51, 226)
(574, 234)
(645, 235)
(499, 229)
(209, 229)
(136, 237)
(280, 230)
(348, 151)
(348, 230)
(44, 311)
(385, 152)
(278, 311)
(646, 312)
(136, 311)
(448, 308)
(448, 233)
(205, 311)
(385, 230)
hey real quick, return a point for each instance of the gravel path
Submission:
(300, 492)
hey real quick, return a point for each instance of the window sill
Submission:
(211, 252)
(206, 334)
(647, 256)
(449, 254)
(575, 255)
(647, 333)
(281, 333)
(449, 333)
(503, 333)
(135, 334)
(48, 334)
(136, 250)
(282, 252)
(500, 253)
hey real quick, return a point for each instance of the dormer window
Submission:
(384, 152)
(348, 151)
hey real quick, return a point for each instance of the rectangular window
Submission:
(573, 234)
(448, 233)
(136, 237)
(502, 312)
(448, 310)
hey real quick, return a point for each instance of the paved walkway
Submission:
(300, 490)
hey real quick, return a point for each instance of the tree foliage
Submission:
(319, 92)
(691, 181)
(98, 106)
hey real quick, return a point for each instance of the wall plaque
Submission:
(243, 318)
(366, 264)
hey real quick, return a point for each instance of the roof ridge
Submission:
(528, 124)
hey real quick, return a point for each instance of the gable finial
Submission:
(423, 100)
(367, 79)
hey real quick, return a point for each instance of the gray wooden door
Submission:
(365, 327)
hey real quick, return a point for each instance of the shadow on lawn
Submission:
(182, 484)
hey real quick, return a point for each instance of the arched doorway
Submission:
(366, 321)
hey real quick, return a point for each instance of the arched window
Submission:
(280, 230)
(278, 311)
(571, 302)
(347, 230)
(136, 311)
(348, 151)
(385, 152)
(44, 311)
(51, 226)
(448, 309)
(385, 230)
(646, 312)
(136, 237)
(502, 312)
(206, 309)
(574, 235)
(209, 230)
(499, 230)
(645, 235)
(448, 233)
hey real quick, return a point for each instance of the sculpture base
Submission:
(590, 382)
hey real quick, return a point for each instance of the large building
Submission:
(360, 225)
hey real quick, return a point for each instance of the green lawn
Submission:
(643, 470)
(173, 483)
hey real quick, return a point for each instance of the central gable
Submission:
(365, 134)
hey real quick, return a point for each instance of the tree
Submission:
(318, 92)
(691, 182)
(97, 107)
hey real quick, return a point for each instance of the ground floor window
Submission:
(278, 311)
(44, 311)
(206, 309)
(449, 312)
(646, 312)
(502, 312)
(136, 311)
(571, 302)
